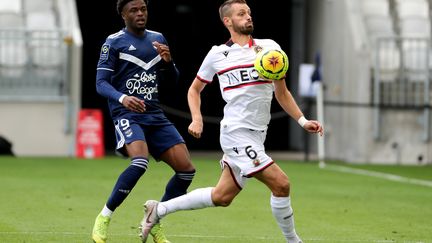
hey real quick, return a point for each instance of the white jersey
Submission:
(248, 97)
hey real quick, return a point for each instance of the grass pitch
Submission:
(57, 200)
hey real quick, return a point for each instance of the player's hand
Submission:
(163, 51)
(313, 126)
(195, 129)
(134, 104)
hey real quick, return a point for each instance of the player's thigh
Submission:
(244, 149)
(161, 138)
(131, 141)
(137, 148)
(275, 179)
(226, 189)
(178, 158)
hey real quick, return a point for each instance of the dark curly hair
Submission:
(122, 3)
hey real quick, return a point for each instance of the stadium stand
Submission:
(415, 29)
(399, 33)
(376, 14)
(410, 86)
(412, 8)
(32, 49)
(46, 48)
(13, 54)
(38, 5)
(40, 70)
(379, 25)
(376, 8)
(10, 6)
(378, 87)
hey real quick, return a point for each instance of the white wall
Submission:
(36, 129)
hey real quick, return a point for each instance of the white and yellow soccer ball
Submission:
(271, 64)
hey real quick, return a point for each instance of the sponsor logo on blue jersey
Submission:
(144, 84)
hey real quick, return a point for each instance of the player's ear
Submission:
(227, 21)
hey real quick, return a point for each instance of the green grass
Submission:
(57, 199)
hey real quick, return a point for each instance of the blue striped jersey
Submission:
(130, 65)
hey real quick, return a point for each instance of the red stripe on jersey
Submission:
(246, 84)
(261, 169)
(251, 42)
(234, 67)
(203, 80)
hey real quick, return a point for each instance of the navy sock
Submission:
(178, 185)
(126, 181)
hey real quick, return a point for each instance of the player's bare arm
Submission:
(194, 101)
(287, 102)
(163, 51)
(134, 104)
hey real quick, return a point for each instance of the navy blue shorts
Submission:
(159, 138)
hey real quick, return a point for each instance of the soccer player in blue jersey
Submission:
(132, 63)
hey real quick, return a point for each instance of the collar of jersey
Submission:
(230, 43)
(133, 35)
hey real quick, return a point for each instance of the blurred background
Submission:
(373, 58)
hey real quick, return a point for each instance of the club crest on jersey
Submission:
(226, 53)
(256, 162)
(104, 54)
(128, 133)
(258, 49)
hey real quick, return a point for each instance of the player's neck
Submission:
(240, 39)
(135, 32)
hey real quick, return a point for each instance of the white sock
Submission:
(106, 212)
(196, 199)
(282, 211)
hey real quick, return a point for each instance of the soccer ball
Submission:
(271, 64)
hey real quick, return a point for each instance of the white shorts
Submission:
(244, 153)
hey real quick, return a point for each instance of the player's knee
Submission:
(282, 189)
(186, 165)
(190, 167)
(221, 200)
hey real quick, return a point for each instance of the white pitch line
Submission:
(128, 234)
(390, 177)
(225, 237)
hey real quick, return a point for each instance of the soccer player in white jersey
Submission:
(243, 127)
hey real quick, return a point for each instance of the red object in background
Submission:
(89, 140)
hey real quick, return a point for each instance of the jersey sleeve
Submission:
(274, 45)
(105, 70)
(168, 70)
(207, 71)
(108, 55)
(162, 40)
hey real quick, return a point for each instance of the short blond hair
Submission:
(225, 8)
